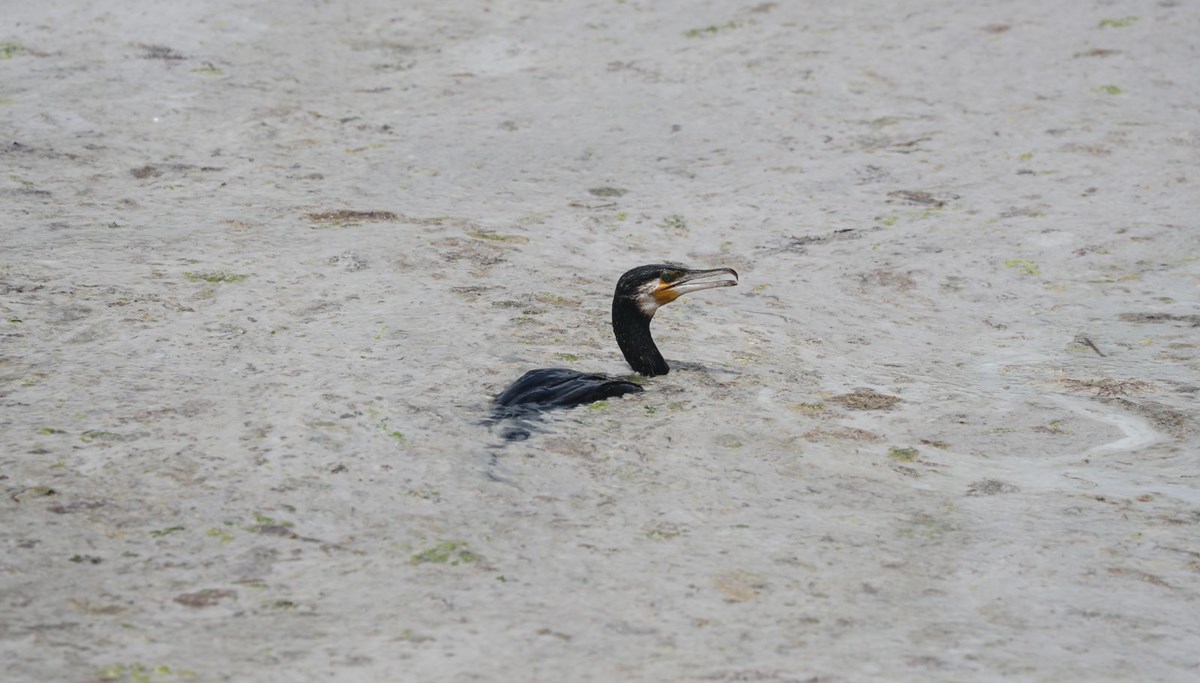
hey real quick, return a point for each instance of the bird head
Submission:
(656, 285)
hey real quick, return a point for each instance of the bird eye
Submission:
(667, 277)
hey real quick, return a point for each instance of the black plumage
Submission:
(549, 388)
(640, 292)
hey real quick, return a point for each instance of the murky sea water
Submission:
(263, 272)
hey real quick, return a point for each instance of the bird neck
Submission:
(632, 328)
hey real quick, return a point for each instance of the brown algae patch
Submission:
(921, 198)
(204, 598)
(817, 408)
(607, 191)
(882, 277)
(1106, 386)
(498, 237)
(558, 300)
(740, 586)
(866, 399)
(216, 277)
(904, 454)
(448, 552)
(147, 171)
(348, 216)
(1174, 422)
(843, 434)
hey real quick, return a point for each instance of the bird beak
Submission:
(690, 281)
(694, 281)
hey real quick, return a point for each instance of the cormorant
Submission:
(640, 293)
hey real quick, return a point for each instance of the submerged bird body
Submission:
(550, 388)
(639, 294)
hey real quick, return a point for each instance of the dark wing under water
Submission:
(550, 388)
(547, 389)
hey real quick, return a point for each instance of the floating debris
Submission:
(708, 30)
(1081, 339)
(349, 261)
(921, 198)
(798, 243)
(990, 487)
(1159, 318)
(1023, 265)
(159, 52)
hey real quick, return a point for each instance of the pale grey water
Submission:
(241, 443)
